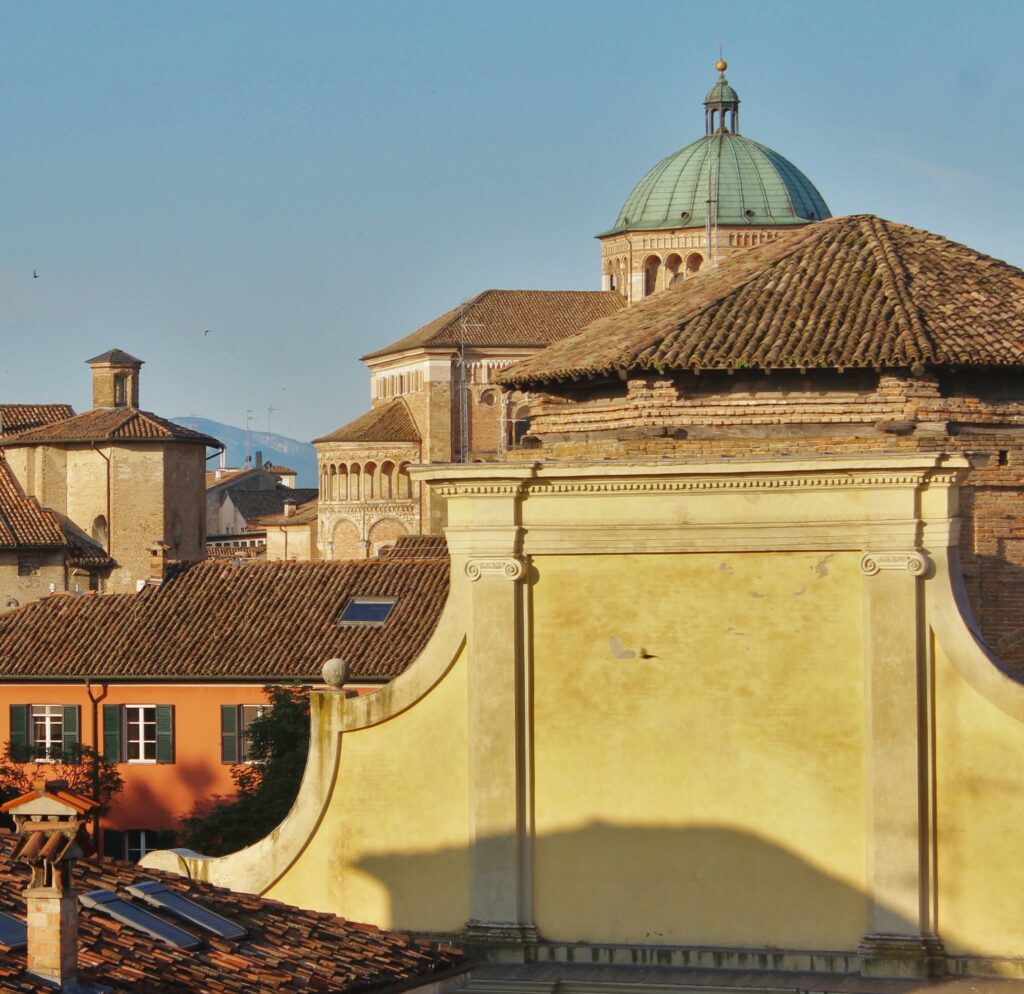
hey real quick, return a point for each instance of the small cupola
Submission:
(722, 106)
(115, 379)
(50, 827)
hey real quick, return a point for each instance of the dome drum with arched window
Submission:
(732, 188)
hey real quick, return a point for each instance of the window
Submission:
(47, 731)
(367, 610)
(28, 565)
(235, 720)
(41, 732)
(138, 733)
(139, 841)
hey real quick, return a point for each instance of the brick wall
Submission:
(751, 414)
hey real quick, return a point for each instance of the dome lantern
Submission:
(722, 105)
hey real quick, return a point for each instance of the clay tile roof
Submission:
(84, 551)
(114, 424)
(390, 422)
(23, 523)
(416, 547)
(241, 619)
(303, 515)
(16, 418)
(848, 292)
(280, 470)
(513, 318)
(115, 356)
(286, 948)
(80, 803)
(253, 505)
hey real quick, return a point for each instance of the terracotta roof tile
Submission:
(118, 424)
(848, 292)
(513, 318)
(390, 422)
(253, 505)
(23, 523)
(304, 514)
(416, 547)
(16, 418)
(232, 620)
(286, 949)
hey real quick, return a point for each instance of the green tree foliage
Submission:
(266, 786)
(85, 771)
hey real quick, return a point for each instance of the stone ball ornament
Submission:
(335, 673)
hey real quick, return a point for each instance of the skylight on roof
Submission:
(13, 931)
(156, 894)
(133, 916)
(367, 610)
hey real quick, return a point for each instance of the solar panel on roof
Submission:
(138, 918)
(156, 894)
(13, 931)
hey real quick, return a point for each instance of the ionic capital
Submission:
(912, 561)
(510, 567)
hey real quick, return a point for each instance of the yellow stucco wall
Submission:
(392, 848)
(714, 792)
(980, 783)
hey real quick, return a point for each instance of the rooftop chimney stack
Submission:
(50, 825)
(289, 507)
(158, 562)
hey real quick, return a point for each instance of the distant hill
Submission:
(300, 456)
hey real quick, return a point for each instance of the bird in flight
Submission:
(205, 333)
(35, 275)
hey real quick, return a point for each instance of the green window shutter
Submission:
(228, 733)
(70, 728)
(112, 732)
(19, 732)
(165, 733)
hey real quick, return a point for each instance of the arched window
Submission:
(343, 482)
(332, 488)
(99, 531)
(673, 265)
(518, 425)
(387, 480)
(354, 474)
(651, 267)
(369, 474)
(693, 263)
(404, 483)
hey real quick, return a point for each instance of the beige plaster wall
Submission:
(712, 792)
(392, 847)
(980, 782)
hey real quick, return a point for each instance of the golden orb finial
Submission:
(721, 65)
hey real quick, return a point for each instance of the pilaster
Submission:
(900, 940)
(486, 555)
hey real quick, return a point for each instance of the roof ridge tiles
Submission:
(854, 291)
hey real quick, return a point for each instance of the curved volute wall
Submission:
(713, 707)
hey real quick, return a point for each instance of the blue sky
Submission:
(312, 180)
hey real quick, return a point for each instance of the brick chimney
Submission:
(158, 562)
(289, 507)
(50, 825)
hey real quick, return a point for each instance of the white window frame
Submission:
(138, 709)
(145, 843)
(54, 715)
(243, 747)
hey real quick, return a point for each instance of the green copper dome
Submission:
(747, 182)
(754, 186)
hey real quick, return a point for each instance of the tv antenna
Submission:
(463, 385)
(271, 411)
